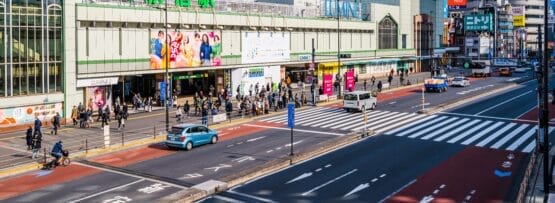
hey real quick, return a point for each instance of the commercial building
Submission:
(57, 54)
(534, 14)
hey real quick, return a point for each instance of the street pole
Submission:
(166, 57)
(291, 153)
(544, 125)
(338, 49)
(494, 33)
(311, 69)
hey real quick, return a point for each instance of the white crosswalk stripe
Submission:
(356, 119)
(469, 132)
(509, 136)
(423, 126)
(446, 128)
(453, 132)
(481, 133)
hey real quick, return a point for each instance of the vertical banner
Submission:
(327, 84)
(350, 80)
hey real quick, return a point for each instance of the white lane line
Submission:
(443, 129)
(468, 132)
(495, 106)
(457, 130)
(343, 122)
(251, 196)
(487, 117)
(226, 199)
(382, 175)
(482, 133)
(421, 126)
(332, 121)
(270, 151)
(374, 180)
(309, 119)
(525, 112)
(327, 118)
(522, 138)
(383, 121)
(433, 127)
(371, 121)
(529, 147)
(327, 166)
(495, 135)
(255, 139)
(298, 130)
(393, 102)
(106, 191)
(329, 182)
(411, 125)
(399, 117)
(403, 121)
(397, 191)
(318, 169)
(356, 119)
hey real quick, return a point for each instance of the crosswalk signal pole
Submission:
(422, 99)
(365, 122)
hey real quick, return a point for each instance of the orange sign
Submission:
(456, 2)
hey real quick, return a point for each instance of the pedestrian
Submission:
(125, 111)
(178, 114)
(228, 109)
(250, 90)
(29, 138)
(100, 113)
(38, 125)
(80, 107)
(373, 80)
(364, 84)
(186, 108)
(104, 119)
(380, 86)
(55, 124)
(121, 121)
(74, 115)
(37, 140)
(389, 79)
(204, 114)
(117, 111)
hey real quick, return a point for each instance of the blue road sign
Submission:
(162, 91)
(291, 115)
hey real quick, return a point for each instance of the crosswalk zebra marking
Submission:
(331, 117)
(522, 139)
(469, 132)
(418, 127)
(439, 131)
(347, 121)
(301, 114)
(332, 121)
(429, 129)
(482, 133)
(509, 136)
(309, 118)
(495, 135)
(453, 132)
(409, 126)
(360, 125)
(403, 122)
(397, 118)
(357, 118)
(530, 146)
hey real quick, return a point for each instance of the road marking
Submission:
(251, 196)
(190, 175)
(346, 122)
(412, 117)
(318, 169)
(443, 129)
(374, 180)
(482, 133)
(453, 132)
(397, 191)
(294, 143)
(225, 199)
(495, 135)
(469, 132)
(327, 166)
(244, 158)
(502, 103)
(106, 191)
(490, 117)
(433, 127)
(393, 117)
(329, 182)
(299, 130)
(300, 177)
(358, 188)
(393, 102)
(523, 138)
(255, 139)
(216, 168)
(425, 125)
(270, 151)
(383, 175)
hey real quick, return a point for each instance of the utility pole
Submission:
(311, 71)
(338, 49)
(544, 112)
(167, 58)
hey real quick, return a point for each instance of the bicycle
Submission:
(64, 161)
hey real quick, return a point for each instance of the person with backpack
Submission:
(380, 86)
(228, 109)
(37, 140)
(186, 108)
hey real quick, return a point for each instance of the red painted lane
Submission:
(28, 182)
(470, 170)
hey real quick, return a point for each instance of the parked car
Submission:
(460, 82)
(505, 72)
(359, 101)
(187, 136)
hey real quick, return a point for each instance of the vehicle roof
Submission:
(186, 125)
(457, 77)
(357, 92)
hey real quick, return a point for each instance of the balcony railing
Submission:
(231, 6)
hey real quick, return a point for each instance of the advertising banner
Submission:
(98, 97)
(327, 84)
(350, 80)
(518, 16)
(186, 49)
(26, 114)
(478, 22)
(456, 4)
(243, 80)
(263, 47)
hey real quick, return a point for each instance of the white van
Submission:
(359, 101)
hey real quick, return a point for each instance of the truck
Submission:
(480, 68)
(436, 84)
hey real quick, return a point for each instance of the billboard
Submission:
(26, 114)
(456, 4)
(478, 22)
(263, 47)
(519, 19)
(186, 49)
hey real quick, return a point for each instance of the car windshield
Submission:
(351, 97)
(458, 79)
(176, 130)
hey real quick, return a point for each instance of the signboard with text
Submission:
(456, 4)
(478, 22)
(327, 84)
(291, 115)
(350, 80)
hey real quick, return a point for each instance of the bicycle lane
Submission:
(46, 180)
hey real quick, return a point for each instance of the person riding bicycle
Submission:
(57, 151)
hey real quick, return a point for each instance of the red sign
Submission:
(456, 2)
(327, 84)
(350, 80)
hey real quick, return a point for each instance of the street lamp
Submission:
(338, 76)
(167, 62)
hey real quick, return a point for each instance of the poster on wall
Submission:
(26, 114)
(98, 97)
(327, 84)
(456, 4)
(263, 47)
(246, 79)
(350, 80)
(186, 49)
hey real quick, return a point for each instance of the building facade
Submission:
(534, 14)
(58, 54)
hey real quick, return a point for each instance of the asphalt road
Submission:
(461, 155)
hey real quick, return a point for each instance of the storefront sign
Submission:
(26, 114)
(456, 4)
(327, 84)
(256, 72)
(97, 82)
(478, 22)
(219, 118)
(187, 49)
(264, 47)
(350, 80)
(98, 97)
(305, 57)
(193, 76)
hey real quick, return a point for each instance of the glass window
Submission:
(2, 80)
(33, 75)
(387, 33)
(16, 77)
(54, 77)
(176, 130)
(351, 97)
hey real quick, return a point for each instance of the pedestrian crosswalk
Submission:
(464, 130)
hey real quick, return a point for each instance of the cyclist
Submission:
(57, 151)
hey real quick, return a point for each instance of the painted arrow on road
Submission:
(502, 174)
(304, 175)
(42, 173)
(358, 188)
(427, 199)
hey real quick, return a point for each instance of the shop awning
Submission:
(330, 64)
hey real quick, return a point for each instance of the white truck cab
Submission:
(359, 101)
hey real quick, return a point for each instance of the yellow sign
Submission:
(518, 21)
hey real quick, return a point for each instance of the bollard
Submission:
(154, 134)
(44, 154)
(86, 145)
(122, 135)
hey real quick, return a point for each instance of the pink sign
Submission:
(350, 80)
(327, 84)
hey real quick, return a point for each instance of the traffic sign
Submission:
(162, 91)
(291, 115)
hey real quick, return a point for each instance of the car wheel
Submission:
(214, 140)
(362, 109)
(347, 110)
(373, 106)
(189, 146)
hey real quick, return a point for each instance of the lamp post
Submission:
(544, 112)
(338, 50)
(167, 59)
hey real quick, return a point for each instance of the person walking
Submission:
(178, 114)
(38, 125)
(228, 109)
(186, 108)
(125, 111)
(121, 121)
(380, 86)
(37, 140)
(204, 114)
(55, 124)
(74, 115)
(373, 80)
(100, 113)
(364, 85)
(104, 119)
(29, 138)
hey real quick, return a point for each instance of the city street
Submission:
(400, 154)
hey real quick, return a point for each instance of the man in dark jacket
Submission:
(37, 140)
(38, 125)
(228, 109)
(55, 124)
(29, 138)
